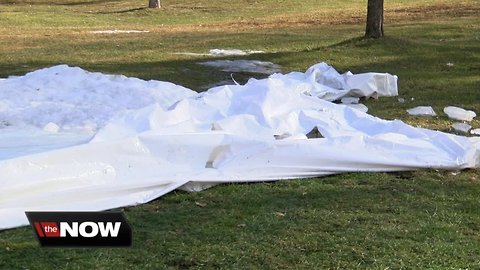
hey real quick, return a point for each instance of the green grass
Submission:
(416, 220)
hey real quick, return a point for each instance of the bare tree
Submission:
(374, 27)
(154, 3)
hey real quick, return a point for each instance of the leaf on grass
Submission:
(279, 214)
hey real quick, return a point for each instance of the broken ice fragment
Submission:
(457, 113)
(475, 131)
(358, 107)
(350, 100)
(422, 111)
(51, 127)
(461, 127)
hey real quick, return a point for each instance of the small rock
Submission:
(401, 100)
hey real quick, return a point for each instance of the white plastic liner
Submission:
(254, 132)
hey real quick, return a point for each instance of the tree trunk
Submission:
(154, 3)
(374, 27)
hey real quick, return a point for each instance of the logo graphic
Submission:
(81, 229)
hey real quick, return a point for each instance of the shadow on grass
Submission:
(420, 64)
(123, 11)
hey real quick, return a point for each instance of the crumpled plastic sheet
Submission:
(237, 133)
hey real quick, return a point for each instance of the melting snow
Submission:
(228, 52)
(224, 52)
(251, 66)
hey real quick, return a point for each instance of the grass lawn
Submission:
(410, 220)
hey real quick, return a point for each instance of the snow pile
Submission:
(154, 137)
(74, 99)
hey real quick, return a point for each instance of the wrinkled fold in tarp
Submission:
(227, 134)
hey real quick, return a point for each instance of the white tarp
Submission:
(123, 141)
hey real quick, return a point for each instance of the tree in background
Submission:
(154, 3)
(374, 27)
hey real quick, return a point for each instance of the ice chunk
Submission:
(462, 127)
(359, 107)
(422, 111)
(475, 131)
(350, 100)
(51, 127)
(457, 113)
(3, 106)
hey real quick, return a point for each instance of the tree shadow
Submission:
(123, 11)
(420, 64)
